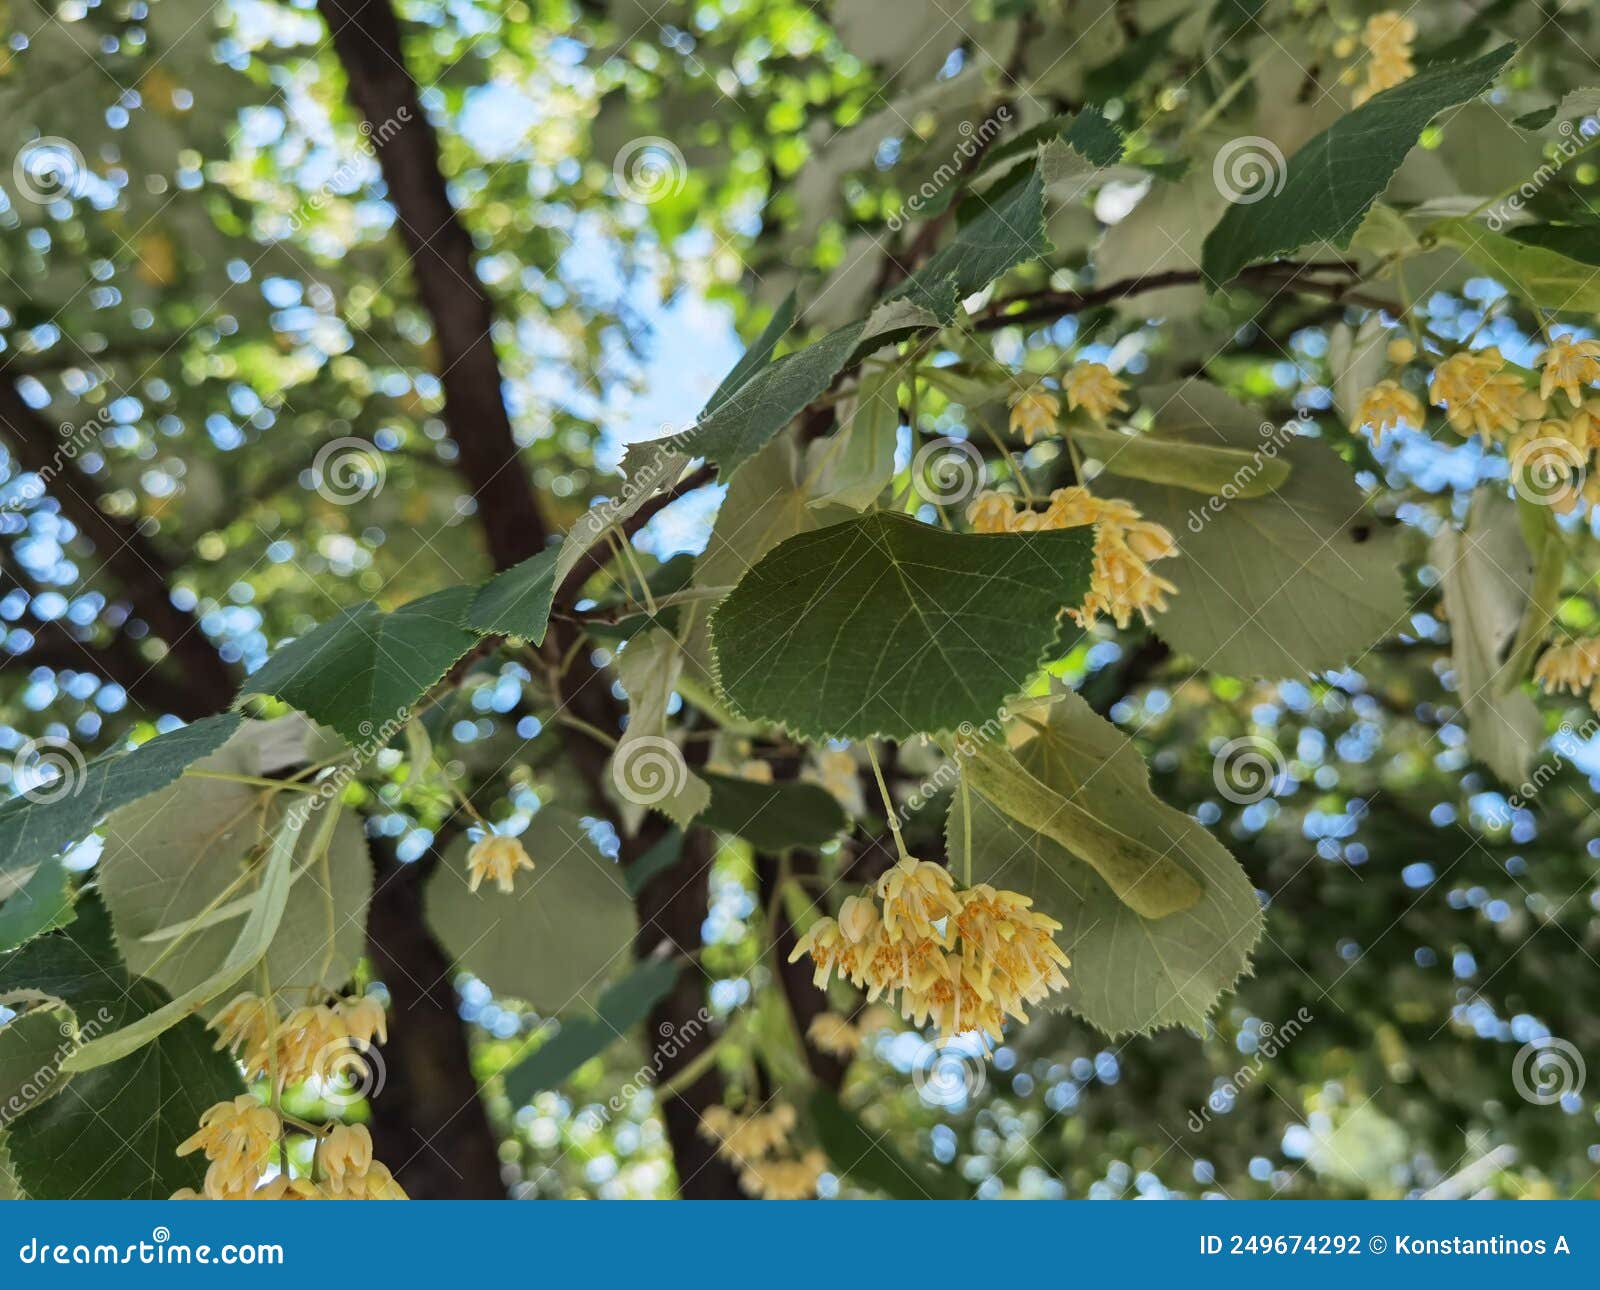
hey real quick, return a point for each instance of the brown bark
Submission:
(428, 1122)
(126, 552)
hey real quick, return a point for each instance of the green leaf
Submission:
(174, 859)
(244, 952)
(1001, 228)
(755, 358)
(363, 670)
(553, 941)
(34, 830)
(1539, 274)
(1200, 468)
(1580, 242)
(42, 903)
(1296, 581)
(621, 1007)
(884, 626)
(773, 817)
(1088, 132)
(1485, 572)
(31, 1048)
(743, 422)
(869, 1159)
(1333, 179)
(857, 463)
(1129, 973)
(517, 602)
(113, 1132)
(1141, 875)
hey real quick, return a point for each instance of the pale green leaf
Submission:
(1129, 973)
(648, 767)
(1540, 274)
(1199, 467)
(517, 602)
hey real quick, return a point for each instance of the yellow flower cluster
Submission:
(237, 1137)
(964, 960)
(1573, 667)
(1125, 544)
(292, 1049)
(1569, 365)
(757, 1145)
(498, 857)
(1388, 37)
(1479, 395)
(1387, 405)
(1090, 386)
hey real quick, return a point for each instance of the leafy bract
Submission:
(172, 876)
(1485, 572)
(33, 829)
(1294, 581)
(363, 670)
(112, 1132)
(1129, 972)
(648, 768)
(1542, 274)
(884, 626)
(1182, 463)
(553, 941)
(1333, 179)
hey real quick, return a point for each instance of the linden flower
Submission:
(822, 941)
(836, 771)
(784, 1179)
(236, 1137)
(858, 918)
(831, 1033)
(1478, 395)
(245, 1026)
(1122, 584)
(1092, 387)
(1388, 38)
(1400, 351)
(1574, 666)
(910, 963)
(916, 894)
(991, 512)
(364, 1019)
(745, 1138)
(346, 1150)
(377, 1183)
(499, 857)
(1569, 365)
(1034, 412)
(957, 1001)
(1385, 406)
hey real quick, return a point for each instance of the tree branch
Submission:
(144, 572)
(366, 36)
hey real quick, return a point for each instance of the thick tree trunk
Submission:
(672, 907)
(428, 1122)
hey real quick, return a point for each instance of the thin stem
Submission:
(888, 804)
